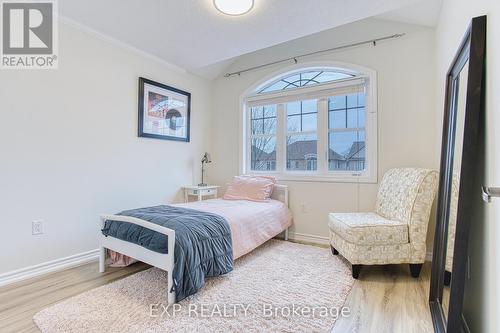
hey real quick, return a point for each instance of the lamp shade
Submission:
(206, 158)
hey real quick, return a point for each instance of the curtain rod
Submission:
(294, 59)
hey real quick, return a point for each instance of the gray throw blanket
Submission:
(203, 246)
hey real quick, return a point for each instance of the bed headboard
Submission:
(280, 192)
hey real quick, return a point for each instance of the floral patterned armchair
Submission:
(396, 232)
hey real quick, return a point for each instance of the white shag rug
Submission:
(279, 287)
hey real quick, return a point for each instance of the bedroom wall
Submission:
(481, 307)
(406, 114)
(70, 151)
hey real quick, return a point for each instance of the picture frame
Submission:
(164, 111)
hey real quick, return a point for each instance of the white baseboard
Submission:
(93, 255)
(309, 238)
(48, 267)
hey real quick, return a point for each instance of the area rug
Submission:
(279, 287)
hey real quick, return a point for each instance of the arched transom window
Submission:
(303, 79)
(315, 123)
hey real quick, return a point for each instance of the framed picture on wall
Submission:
(164, 112)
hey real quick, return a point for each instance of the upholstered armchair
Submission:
(396, 232)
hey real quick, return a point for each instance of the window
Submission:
(263, 138)
(301, 135)
(317, 124)
(346, 132)
(304, 79)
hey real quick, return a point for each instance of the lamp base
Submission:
(202, 185)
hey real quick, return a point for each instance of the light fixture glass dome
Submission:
(234, 7)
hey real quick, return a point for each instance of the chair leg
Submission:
(355, 271)
(415, 270)
(334, 252)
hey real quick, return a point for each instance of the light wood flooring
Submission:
(384, 299)
(19, 302)
(388, 299)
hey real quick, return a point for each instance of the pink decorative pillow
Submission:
(254, 188)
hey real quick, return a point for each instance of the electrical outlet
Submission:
(37, 227)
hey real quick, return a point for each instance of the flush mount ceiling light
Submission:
(234, 7)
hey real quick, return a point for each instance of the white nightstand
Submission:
(200, 192)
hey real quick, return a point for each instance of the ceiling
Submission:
(193, 35)
(424, 12)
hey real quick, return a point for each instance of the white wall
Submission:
(406, 112)
(69, 147)
(482, 292)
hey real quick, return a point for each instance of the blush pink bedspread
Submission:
(252, 223)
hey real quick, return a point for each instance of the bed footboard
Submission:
(164, 261)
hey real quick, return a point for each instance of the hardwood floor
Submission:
(384, 299)
(388, 299)
(19, 302)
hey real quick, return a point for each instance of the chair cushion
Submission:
(368, 229)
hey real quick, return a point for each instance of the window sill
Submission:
(328, 178)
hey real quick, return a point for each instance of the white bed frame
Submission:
(163, 261)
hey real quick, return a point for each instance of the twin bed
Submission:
(210, 235)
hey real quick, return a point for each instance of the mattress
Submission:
(252, 223)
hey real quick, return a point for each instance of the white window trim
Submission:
(369, 175)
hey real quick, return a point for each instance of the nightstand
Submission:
(200, 192)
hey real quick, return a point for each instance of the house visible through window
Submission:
(263, 138)
(301, 134)
(314, 123)
(346, 132)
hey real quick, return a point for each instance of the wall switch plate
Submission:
(304, 208)
(37, 227)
